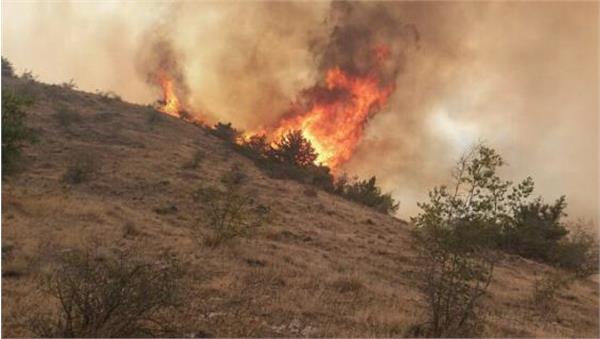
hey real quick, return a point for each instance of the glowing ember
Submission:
(334, 119)
(171, 104)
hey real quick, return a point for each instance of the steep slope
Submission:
(321, 266)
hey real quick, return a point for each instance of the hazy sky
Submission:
(522, 76)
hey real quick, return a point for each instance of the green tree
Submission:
(15, 133)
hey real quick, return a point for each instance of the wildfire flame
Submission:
(171, 104)
(335, 115)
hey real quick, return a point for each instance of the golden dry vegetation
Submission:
(320, 266)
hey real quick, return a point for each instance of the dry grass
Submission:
(322, 266)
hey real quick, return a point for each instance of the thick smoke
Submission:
(362, 35)
(521, 75)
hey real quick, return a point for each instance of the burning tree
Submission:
(294, 149)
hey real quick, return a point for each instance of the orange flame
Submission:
(171, 104)
(337, 113)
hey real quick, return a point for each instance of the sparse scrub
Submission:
(7, 68)
(197, 158)
(108, 95)
(231, 211)
(70, 85)
(15, 133)
(82, 168)
(225, 132)
(118, 296)
(65, 116)
(546, 289)
(29, 76)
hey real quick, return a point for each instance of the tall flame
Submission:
(170, 103)
(335, 115)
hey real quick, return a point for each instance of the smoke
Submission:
(362, 34)
(157, 58)
(522, 76)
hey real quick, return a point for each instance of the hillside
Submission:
(320, 267)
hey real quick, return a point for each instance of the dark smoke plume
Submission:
(157, 57)
(362, 35)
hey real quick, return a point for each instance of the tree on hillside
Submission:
(294, 149)
(460, 227)
(14, 131)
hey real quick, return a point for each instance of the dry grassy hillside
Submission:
(320, 267)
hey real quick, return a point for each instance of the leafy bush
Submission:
(293, 149)
(105, 297)
(455, 231)
(231, 211)
(225, 132)
(14, 131)
(455, 273)
(578, 252)
(7, 68)
(81, 168)
(366, 193)
(534, 229)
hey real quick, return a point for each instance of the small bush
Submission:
(65, 116)
(29, 76)
(108, 95)
(15, 133)
(82, 167)
(199, 155)
(225, 132)
(456, 269)
(7, 68)
(106, 297)
(70, 85)
(366, 192)
(231, 211)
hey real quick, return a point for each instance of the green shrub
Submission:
(119, 296)
(456, 231)
(366, 192)
(231, 210)
(7, 68)
(15, 133)
(578, 253)
(82, 167)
